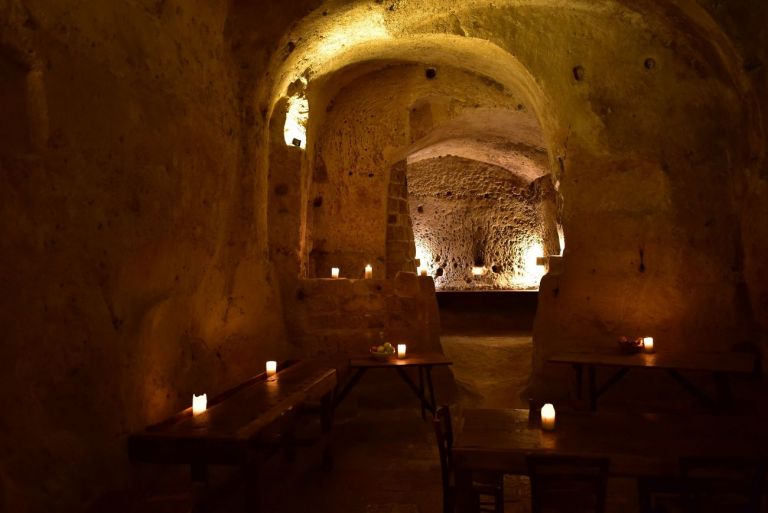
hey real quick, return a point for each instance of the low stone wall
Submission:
(332, 317)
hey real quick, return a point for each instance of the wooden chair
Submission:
(483, 484)
(568, 484)
(722, 484)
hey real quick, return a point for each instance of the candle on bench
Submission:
(548, 417)
(368, 272)
(401, 350)
(271, 368)
(648, 344)
(199, 403)
(334, 272)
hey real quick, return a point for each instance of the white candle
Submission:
(199, 403)
(548, 417)
(401, 350)
(334, 272)
(423, 271)
(648, 344)
(271, 368)
(368, 272)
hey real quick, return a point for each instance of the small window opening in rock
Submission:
(439, 271)
(649, 63)
(296, 117)
(578, 73)
(430, 73)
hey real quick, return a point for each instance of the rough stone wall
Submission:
(362, 130)
(468, 213)
(332, 318)
(130, 267)
(401, 251)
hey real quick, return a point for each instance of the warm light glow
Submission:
(271, 368)
(401, 350)
(423, 255)
(478, 271)
(561, 237)
(199, 403)
(296, 122)
(648, 344)
(422, 271)
(368, 272)
(532, 272)
(334, 272)
(548, 417)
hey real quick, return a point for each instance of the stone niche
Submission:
(469, 214)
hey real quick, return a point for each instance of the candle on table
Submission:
(648, 344)
(368, 272)
(548, 417)
(334, 272)
(401, 350)
(199, 403)
(271, 368)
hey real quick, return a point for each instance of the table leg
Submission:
(592, 388)
(432, 402)
(687, 385)
(612, 381)
(415, 389)
(351, 383)
(421, 390)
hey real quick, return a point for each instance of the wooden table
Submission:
(423, 363)
(228, 432)
(720, 365)
(637, 445)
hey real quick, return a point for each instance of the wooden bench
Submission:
(243, 425)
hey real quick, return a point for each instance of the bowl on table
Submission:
(382, 357)
(630, 345)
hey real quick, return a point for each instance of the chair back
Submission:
(444, 435)
(567, 484)
(723, 484)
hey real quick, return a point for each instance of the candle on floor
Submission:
(271, 368)
(401, 350)
(648, 344)
(548, 417)
(199, 403)
(334, 272)
(368, 272)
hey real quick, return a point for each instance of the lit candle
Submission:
(199, 403)
(401, 350)
(271, 368)
(548, 417)
(478, 271)
(423, 271)
(334, 272)
(648, 344)
(368, 272)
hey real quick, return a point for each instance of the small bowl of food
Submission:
(383, 352)
(630, 345)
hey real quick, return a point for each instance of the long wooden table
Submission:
(229, 431)
(637, 445)
(423, 362)
(720, 365)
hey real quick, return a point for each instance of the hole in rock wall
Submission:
(296, 118)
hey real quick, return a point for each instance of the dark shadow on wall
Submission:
(487, 312)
